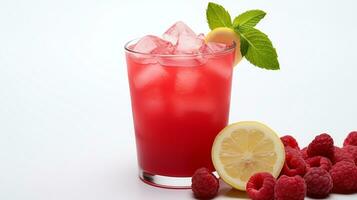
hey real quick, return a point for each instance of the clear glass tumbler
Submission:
(179, 104)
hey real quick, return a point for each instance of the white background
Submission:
(65, 121)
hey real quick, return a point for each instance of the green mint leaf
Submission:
(243, 45)
(217, 16)
(260, 51)
(248, 19)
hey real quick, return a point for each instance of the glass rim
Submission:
(224, 51)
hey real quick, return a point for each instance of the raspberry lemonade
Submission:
(180, 92)
(180, 86)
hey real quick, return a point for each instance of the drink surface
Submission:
(179, 105)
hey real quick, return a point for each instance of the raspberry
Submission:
(341, 155)
(261, 186)
(318, 182)
(290, 188)
(294, 163)
(289, 141)
(344, 175)
(322, 145)
(303, 153)
(352, 150)
(204, 184)
(295, 152)
(318, 161)
(351, 139)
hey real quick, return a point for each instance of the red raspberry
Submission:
(289, 141)
(290, 188)
(295, 152)
(351, 139)
(322, 145)
(344, 176)
(341, 155)
(352, 150)
(261, 186)
(204, 184)
(318, 182)
(303, 153)
(294, 163)
(318, 161)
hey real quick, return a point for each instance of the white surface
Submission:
(65, 121)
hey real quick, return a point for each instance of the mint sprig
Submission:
(217, 16)
(244, 45)
(255, 46)
(260, 50)
(248, 19)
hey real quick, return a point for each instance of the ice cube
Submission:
(188, 44)
(193, 104)
(151, 74)
(155, 102)
(182, 61)
(220, 67)
(184, 39)
(142, 59)
(187, 80)
(175, 31)
(154, 45)
(216, 47)
(201, 36)
(213, 47)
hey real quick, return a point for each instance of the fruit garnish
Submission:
(322, 145)
(290, 141)
(226, 36)
(351, 139)
(318, 161)
(339, 154)
(318, 182)
(344, 176)
(294, 163)
(245, 148)
(292, 188)
(261, 186)
(352, 150)
(253, 44)
(204, 184)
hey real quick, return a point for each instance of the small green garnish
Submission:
(256, 47)
(217, 16)
(248, 19)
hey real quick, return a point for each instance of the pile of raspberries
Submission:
(315, 171)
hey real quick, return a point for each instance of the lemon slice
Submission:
(226, 36)
(245, 148)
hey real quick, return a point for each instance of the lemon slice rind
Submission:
(226, 36)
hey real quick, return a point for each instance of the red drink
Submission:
(179, 104)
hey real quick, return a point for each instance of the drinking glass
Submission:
(179, 104)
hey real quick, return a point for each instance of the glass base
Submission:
(165, 181)
(168, 182)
